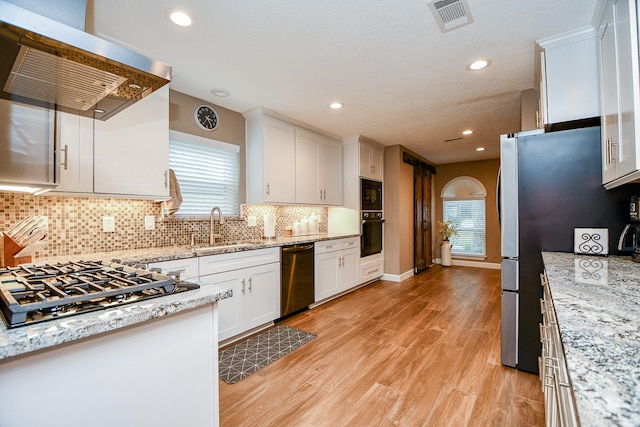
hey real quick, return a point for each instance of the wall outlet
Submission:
(251, 221)
(108, 224)
(149, 222)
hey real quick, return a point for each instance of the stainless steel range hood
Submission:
(46, 63)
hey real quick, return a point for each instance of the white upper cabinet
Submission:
(131, 150)
(318, 169)
(75, 139)
(620, 87)
(125, 156)
(569, 77)
(270, 160)
(330, 167)
(371, 161)
(287, 163)
(308, 188)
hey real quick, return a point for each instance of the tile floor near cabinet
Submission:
(423, 352)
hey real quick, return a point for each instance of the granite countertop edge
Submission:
(597, 304)
(29, 338)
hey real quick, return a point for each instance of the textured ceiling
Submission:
(401, 79)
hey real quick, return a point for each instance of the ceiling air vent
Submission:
(451, 14)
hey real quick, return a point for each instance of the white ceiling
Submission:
(401, 79)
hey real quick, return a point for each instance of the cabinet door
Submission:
(330, 171)
(279, 161)
(626, 50)
(308, 188)
(76, 154)
(609, 96)
(365, 160)
(350, 267)
(371, 161)
(231, 311)
(327, 278)
(376, 163)
(262, 295)
(132, 149)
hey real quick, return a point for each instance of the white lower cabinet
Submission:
(254, 278)
(336, 266)
(371, 267)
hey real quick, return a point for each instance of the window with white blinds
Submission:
(464, 204)
(208, 173)
(469, 215)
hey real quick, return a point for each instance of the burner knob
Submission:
(175, 274)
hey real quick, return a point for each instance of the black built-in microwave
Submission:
(371, 195)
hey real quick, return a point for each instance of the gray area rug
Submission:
(245, 358)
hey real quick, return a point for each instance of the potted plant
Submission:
(448, 229)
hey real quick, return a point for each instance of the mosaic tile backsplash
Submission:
(75, 224)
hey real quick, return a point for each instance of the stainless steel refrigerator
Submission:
(550, 183)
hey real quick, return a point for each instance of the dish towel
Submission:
(173, 204)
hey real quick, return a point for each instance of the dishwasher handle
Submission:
(297, 248)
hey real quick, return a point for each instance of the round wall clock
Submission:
(206, 117)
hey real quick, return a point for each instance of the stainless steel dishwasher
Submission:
(297, 278)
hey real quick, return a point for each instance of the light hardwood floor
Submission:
(423, 352)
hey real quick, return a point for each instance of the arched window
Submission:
(463, 202)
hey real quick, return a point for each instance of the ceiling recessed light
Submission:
(480, 149)
(221, 92)
(336, 105)
(179, 17)
(479, 64)
(467, 132)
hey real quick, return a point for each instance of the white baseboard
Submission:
(477, 264)
(397, 277)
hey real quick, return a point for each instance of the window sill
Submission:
(469, 257)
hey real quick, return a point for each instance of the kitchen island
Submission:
(597, 305)
(152, 363)
(147, 363)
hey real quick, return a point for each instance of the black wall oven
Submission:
(370, 195)
(371, 233)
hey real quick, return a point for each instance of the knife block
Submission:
(11, 247)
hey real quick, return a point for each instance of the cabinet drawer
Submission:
(212, 264)
(327, 246)
(187, 267)
(350, 243)
(371, 270)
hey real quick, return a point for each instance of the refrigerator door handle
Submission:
(498, 199)
(622, 236)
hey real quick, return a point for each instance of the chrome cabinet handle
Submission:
(243, 287)
(65, 163)
(250, 284)
(166, 179)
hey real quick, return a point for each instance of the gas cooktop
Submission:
(36, 293)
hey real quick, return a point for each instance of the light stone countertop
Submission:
(169, 253)
(597, 304)
(29, 338)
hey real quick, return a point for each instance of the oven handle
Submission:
(364, 221)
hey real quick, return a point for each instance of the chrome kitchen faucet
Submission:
(212, 235)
